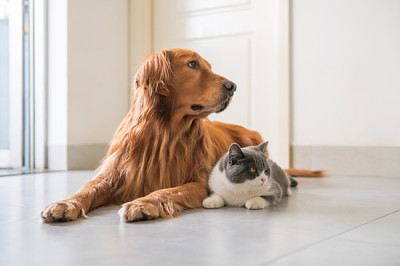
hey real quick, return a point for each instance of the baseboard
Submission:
(348, 160)
(76, 157)
(86, 157)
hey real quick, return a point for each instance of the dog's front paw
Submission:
(62, 211)
(256, 203)
(139, 210)
(213, 202)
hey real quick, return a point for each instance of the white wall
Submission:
(88, 79)
(57, 82)
(346, 72)
(98, 81)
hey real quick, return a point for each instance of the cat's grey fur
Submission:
(232, 182)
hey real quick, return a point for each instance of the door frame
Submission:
(140, 45)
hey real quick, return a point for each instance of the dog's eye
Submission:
(253, 170)
(193, 64)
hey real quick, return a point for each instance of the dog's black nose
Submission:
(230, 87)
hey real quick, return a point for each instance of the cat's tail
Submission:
(304, 173)
(293, 182)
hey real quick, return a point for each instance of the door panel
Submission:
(238, 111)
(197, 5)
(239, 38)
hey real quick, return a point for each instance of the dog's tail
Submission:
(304, 173)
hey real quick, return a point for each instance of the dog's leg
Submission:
(165, 202)
(94, 194)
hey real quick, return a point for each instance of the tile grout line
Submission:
(326, 239)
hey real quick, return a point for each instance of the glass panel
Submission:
(27, 91)
(4, 76)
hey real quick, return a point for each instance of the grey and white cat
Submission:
(246, 177)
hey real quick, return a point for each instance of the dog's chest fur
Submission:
(167, 160)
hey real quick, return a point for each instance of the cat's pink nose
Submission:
(263, 179)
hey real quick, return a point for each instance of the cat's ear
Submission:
(235, 153)
(263, 147)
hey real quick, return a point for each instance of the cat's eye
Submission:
(193, 64)
(253, 170)
(267, 171)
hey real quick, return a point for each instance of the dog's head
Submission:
(184, 82)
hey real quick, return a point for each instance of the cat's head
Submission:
(248, 165)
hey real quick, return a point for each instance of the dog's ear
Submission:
(155, 74)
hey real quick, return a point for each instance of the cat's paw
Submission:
(256, 203)
(213, 202)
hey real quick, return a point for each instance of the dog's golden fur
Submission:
(163, 151)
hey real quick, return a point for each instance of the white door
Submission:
(241, 39)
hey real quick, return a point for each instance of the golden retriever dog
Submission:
(162, 153)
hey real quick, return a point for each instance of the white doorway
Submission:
(245, 41)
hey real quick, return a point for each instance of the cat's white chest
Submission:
(233, 194)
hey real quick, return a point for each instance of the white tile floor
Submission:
(337, 220)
